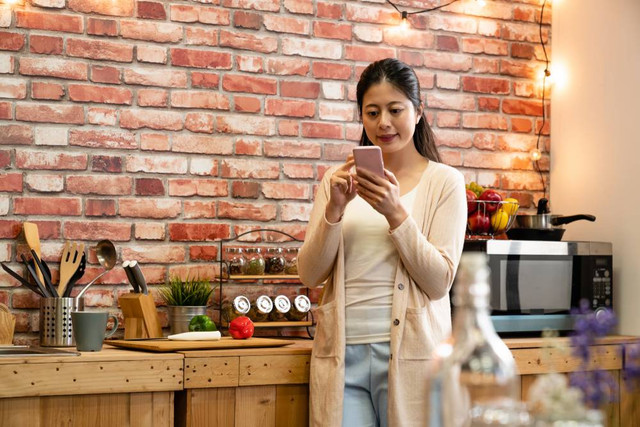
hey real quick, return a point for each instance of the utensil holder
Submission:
(140, 316)
(56, 329)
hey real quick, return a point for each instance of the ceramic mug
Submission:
(89, 329)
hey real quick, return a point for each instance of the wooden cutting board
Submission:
(7, 325)
(163, 345)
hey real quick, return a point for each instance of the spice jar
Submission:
(281, 305)
(274, 261)
(261, 308)
(291, 261)
(235, 261)
(255, 262)
(300, 308)
(239, 307)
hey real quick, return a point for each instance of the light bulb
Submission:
(481, 3)
(404, 24)
(535, 154)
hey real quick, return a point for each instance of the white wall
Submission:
(595, 138)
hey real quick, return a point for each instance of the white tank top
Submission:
(371, 260)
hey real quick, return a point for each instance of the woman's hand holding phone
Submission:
(342, 191)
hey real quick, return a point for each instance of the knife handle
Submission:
(137, 273)
(127, 269)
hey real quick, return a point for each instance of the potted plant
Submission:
(185, 299)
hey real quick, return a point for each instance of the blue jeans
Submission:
(366, 384)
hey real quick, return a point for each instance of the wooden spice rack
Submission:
(291, 279)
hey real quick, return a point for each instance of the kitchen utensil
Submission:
(23, 281)
(89, 329)
(32, 237)
(107, 257)
(543, 225)
(7, 325)
(76, 276)
(56, 329)
(140, 280)
(196, 336)
(140, 316)
(165, 345)
(132, 280)
(35, 278)
(45, 273)
(71, 256)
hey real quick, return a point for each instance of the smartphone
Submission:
(369, 158)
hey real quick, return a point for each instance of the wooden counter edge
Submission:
(108, 354)
(298, 346)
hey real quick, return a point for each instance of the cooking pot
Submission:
(543, 225)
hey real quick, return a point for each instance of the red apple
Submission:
(479, 223)
(471, 202)
(491, 196)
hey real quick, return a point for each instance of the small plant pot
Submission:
(181, 315)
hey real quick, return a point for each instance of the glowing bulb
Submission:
(404, 24)
(536, 155)
(481, 3)
(10, 2)
(560, 75)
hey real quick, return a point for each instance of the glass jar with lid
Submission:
(281, 305)
(261, 308)
(240, 306)
(291, 261)
(274, 261)
(255, 262)
(300, 308)
(235, 261)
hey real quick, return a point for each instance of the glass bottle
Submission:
(291, 261)
(475, 381)
(274, 261)
(235, 261)
(281, 305)
(255, 262)
(260, 309)
(239, 307)
(299, 309)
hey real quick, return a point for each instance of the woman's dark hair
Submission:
(403, 78)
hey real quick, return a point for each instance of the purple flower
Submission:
(631, 370)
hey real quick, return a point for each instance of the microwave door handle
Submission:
(512, 282)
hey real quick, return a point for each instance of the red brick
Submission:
(274, 148)
(10, 229)
(115, 8)
(199, 99)
(521, 125)
(105, 74)
(485, 85)
(258, 169)
(198, 232)
(97, 230)
(154, 142)
(42, 90)
(102, 185)
(156, 164)
(309, 90)
(198, 187)
(285, 24)
(199, 122)
(151, 10)
(53, 67)
(291, 108)
(321, 49)
(200, 59)
(484, 121)
(6, 111)
(243, 124)
(102, 27)
(11, 41)
(245, 189)
(447, 119)
(103, 139)
(488, 104)
(329, 10)
(447, 61)
(16, 135)
(151, 31)
(327, 70)
(25, 299)
(100, 207)
(322, 130)
(151, 54)
(367, 53)
(522, 106)
(304, 7)
(336, 111)
(247, 104)
(102, 116)
(5, 157)
(64, 206)
(201, 144)
(13, 88)
(516, 142)
(448, 101)
(483, 45)
(152, 97)
(486, 66)
(39, 160)
(257, 43)
(518, 69)
(45, 183)
(371, 14)
(150, 231)
(298, 171)
(201, 36)
(204, 80)
(332, 30)
(159, 120)
(251, 84)
(288, 66)
(251, 64)
(50, 113)
(149, 187)
(155, 77)
(485, 140)
(285, 190)
(45, 45)
(251, 20)
(248, 211)
(456, 24)
(98, 49)
(11, 182)
(522, 51)
(248, 147)
(112, 164)
(203, 253)
(49, 21)
(288, 127)
(100, 94)
(205, 15)
(149, 208)
(454, 138)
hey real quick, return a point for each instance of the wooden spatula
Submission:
(32, 237)
(71, 256)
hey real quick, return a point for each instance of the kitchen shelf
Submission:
(283, 324)
(247, 277)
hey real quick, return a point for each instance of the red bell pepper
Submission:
(241, 328)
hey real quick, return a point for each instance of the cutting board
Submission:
(162, 345)
(7, 325)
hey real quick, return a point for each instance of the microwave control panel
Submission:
(601, 286)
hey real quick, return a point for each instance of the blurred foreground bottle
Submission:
(475, 381)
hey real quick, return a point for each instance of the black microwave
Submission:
(536, 284)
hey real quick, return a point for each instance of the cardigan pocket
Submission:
(325, 342)
(417, 338)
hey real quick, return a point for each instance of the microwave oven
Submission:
(536, 284)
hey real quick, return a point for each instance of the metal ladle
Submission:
(107, 257)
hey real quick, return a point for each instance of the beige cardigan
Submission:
(429, 244)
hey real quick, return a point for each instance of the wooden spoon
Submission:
(32, 237)
(71, 257)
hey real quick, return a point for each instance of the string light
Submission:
(404, 15)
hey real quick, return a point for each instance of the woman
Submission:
(387, 250)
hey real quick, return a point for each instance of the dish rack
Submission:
(282, 280)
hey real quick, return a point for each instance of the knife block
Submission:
(140, 316)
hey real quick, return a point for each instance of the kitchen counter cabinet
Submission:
(112, 387)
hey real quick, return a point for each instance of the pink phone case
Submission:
(369, 158)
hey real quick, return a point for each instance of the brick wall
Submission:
(165, 125)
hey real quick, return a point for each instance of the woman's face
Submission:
(389, 117)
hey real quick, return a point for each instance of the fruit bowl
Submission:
(490, 218)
